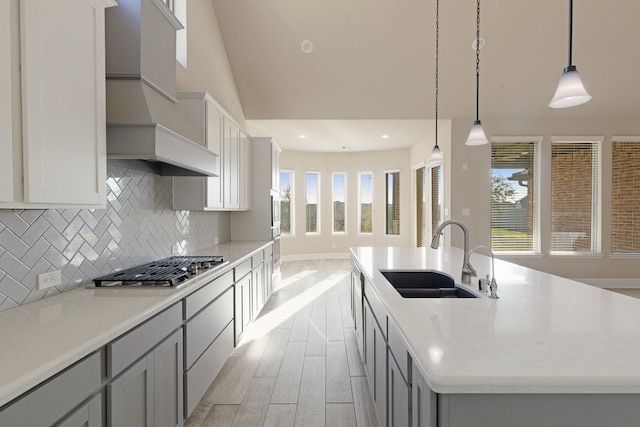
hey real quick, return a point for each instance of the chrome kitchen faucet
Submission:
(467, 269)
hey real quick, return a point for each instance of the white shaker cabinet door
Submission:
(215, 122)
(63, 101)
(6, 113)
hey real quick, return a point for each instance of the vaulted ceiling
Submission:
(373, 60)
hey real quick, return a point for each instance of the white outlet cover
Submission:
(49, 279)
(466, 212)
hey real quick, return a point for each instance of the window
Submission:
(286, 202)
(625, 196)
(437, 196)
(179, 9)
(392, 180)
(312, 202)
(575, 196)
(365, 200)
(421, 207)
(339, 199)
(514, 201)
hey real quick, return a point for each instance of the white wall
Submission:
(301, 246)
(472, 189)
(208, 67)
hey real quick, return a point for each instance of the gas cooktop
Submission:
(167, 272)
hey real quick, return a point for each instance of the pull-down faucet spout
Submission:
(467, 269)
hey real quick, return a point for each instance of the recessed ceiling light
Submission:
(306, 46)
(302, 136)
(385, 136)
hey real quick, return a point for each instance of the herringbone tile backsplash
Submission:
(138, 226)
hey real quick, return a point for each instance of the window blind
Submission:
(514, 202)
(421, 208)
(437, 194)
(574, 196)
(625, 197)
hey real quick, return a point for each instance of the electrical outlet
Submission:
(49, 279)
(215, 240)
(466, 211)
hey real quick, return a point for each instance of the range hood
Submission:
(143, 120)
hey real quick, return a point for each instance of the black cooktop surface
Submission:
(166, 272)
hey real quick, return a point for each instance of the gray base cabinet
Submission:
(200, 376)
(375, 361)
(55, 399)
(399, 396)
(424, 408)
(209, 338)
(90, 415)
(243, 305)
(150, 393)
(258, 289)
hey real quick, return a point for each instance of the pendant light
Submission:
(570, 91)
(477, 135)
(437, 157)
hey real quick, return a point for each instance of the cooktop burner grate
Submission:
(165, 272)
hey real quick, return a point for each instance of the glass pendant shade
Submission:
(477, 135)
(570, 91)
(436, 158)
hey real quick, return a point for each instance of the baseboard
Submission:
(310, 257)
(612, 283)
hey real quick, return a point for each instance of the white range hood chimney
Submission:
(143, 121)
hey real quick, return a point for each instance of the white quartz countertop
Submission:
(43, 337)
(545, 334)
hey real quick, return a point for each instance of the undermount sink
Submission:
(425, 284)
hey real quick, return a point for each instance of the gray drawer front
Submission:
(377, 307)
(257, 259)
(54, 399)
(205, 327)
(204, 371)
(399, 350)
(203, 296)
(243, 269)
(127, 349)
(268, 251)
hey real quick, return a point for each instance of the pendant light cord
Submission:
(570, 30)
(478, 62)
(437, 58)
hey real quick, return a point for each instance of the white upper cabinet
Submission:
(231, 168)
(60, 149)
(6, 107)
(230, 191)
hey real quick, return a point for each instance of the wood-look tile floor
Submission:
(298, 363)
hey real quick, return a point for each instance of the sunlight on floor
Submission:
(283, 283)
(269, 321)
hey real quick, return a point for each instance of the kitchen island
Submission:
(549, 351)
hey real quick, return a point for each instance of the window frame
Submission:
(536, 249)
(387, 173)
(292, 210)
(333, 200)
(359, 215)
(596, 203)
(318, 231)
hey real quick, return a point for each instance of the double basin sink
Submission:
(425, 284)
